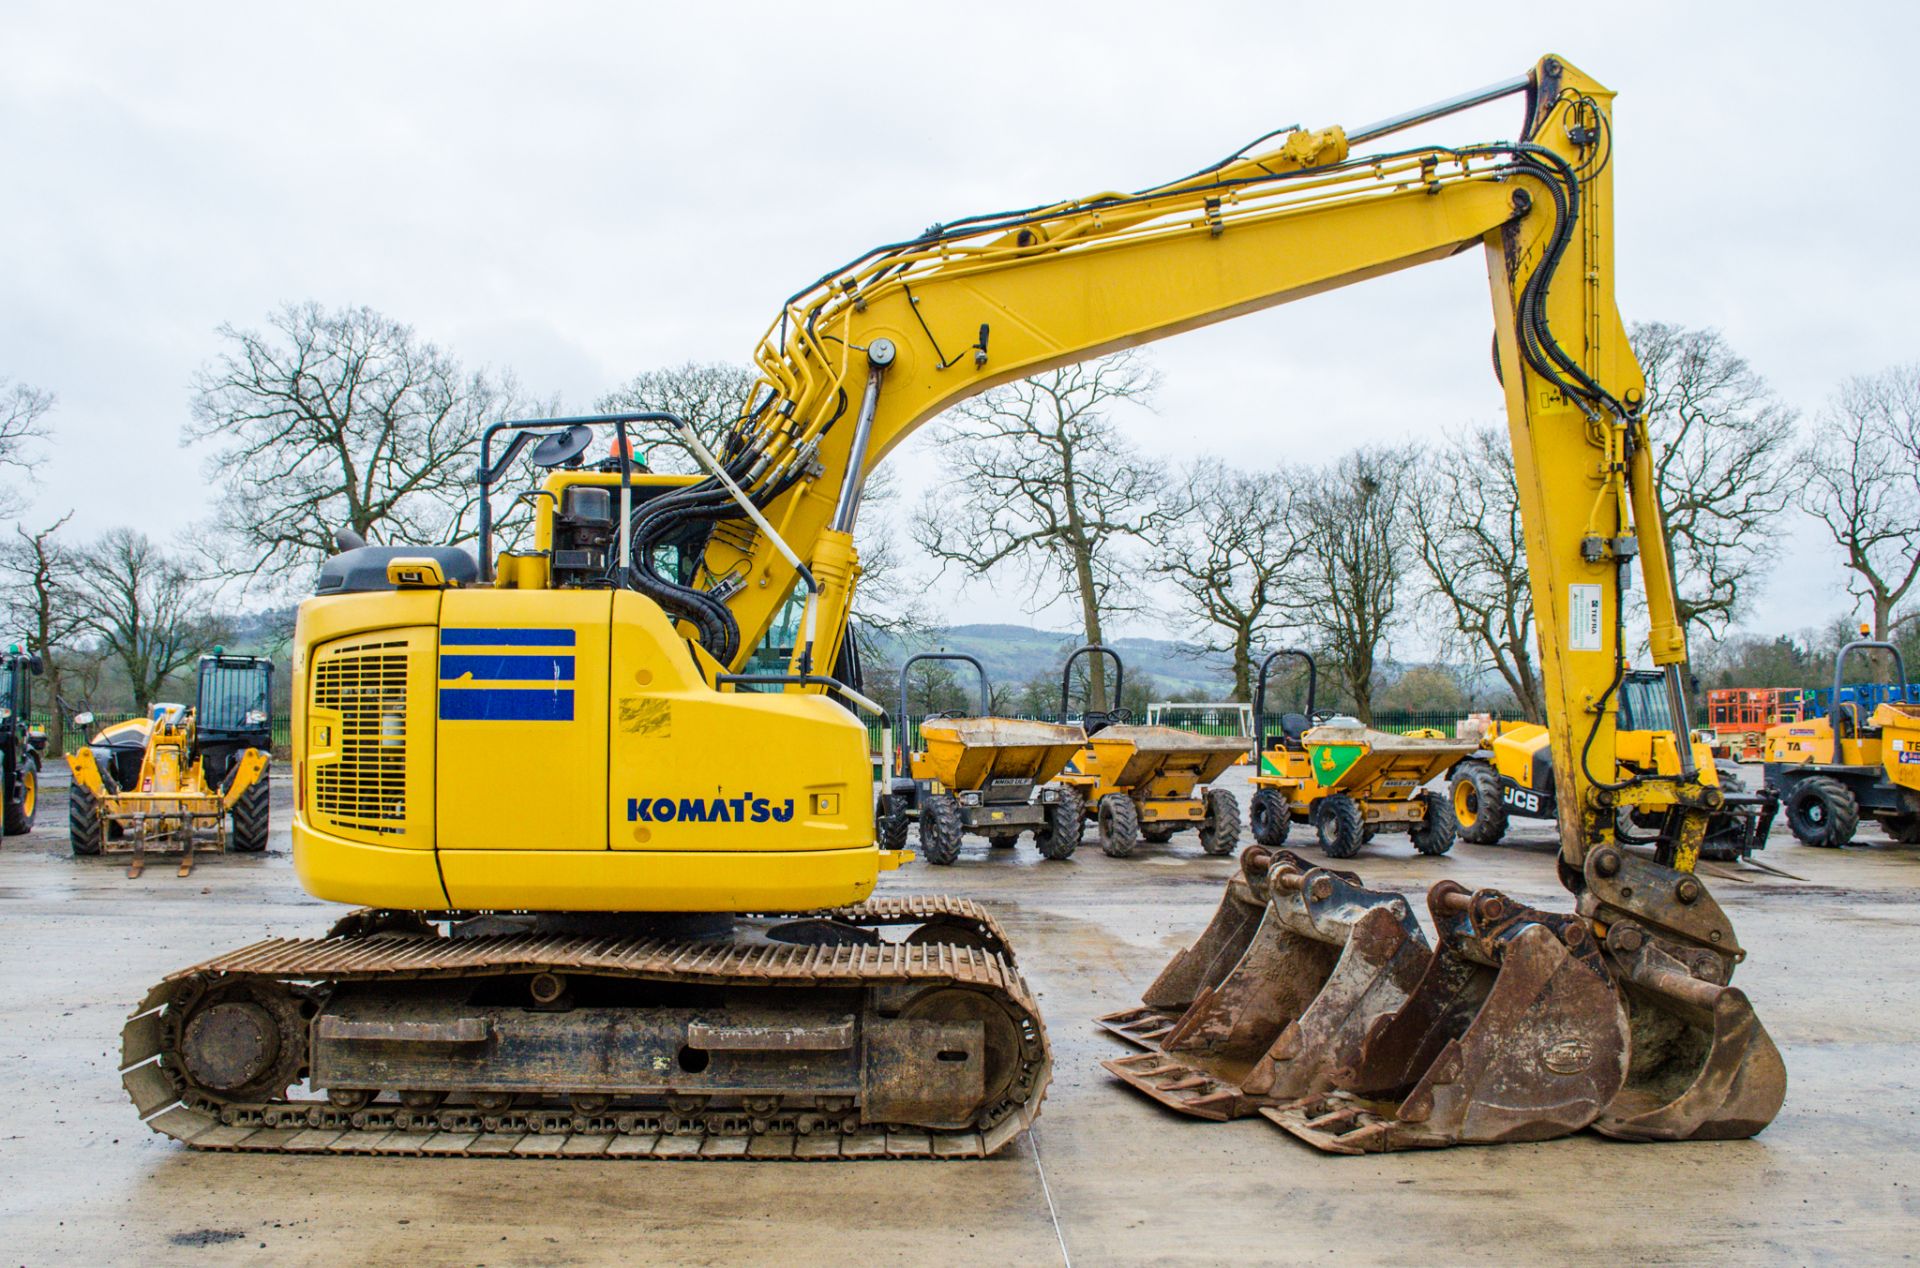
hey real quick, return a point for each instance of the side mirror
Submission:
(83, 719)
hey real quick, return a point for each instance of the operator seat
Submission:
(1293, 727)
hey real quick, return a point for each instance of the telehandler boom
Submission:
(546, 974)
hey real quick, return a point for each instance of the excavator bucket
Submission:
(1515, 1032)
(1276, 995)
(1703, 1066)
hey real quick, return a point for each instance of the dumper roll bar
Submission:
(1839, 672)
(1066, 683)
(901, 767)
(1260, 692)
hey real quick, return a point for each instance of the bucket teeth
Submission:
(1703, 1066)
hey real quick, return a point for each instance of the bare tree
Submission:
(1861, 478)
(40, 588)
(1465, 522)
(1721, 438)
(23, 412)
(1355, 561)
(149, 614)
(1228, 552)
(337, 419)
(709, 395)
(1035, 474)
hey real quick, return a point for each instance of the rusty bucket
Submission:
(1515, 1032)
(1277, 993)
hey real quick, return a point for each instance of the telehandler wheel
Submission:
(1341, 825)
(20, 808)
(1475, 797)
(1269, 818)
(1119, 825)
(1220, 830)
(1904, 829)
(1823, 812)
(251, 817)
(1066, 824)
(1158, 836)
(1436, 833)
(85, 832)
(940, 829)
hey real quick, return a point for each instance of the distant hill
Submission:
(1013, 654)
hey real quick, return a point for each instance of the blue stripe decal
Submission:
(499, 704)
(506, 638)
(484, 667)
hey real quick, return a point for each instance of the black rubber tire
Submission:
(85, 829)
(1477, 786)
(1119, 825)
(1341, 826)
(1903, 828)
(1220, 830)
(1822, 812)
(940, 829)
(21, 808)
(1066, 824)
(1435, 835)
(1269, 818)
(252, 817)
(892, 824)
(1158, 836)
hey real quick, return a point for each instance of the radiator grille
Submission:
(366, 683)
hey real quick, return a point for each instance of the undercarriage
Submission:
(895, 1029)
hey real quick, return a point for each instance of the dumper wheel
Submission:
(1269, 817)
(1220, 830)
(1904, 829)
(1341, 826)
(84, 828)
(1822, 812)
(1477, 810)
(1435, 834)
(1066, 824)
(1119, 825)
(940, 829)
(20, 806)
(893, 824)
(251, 817)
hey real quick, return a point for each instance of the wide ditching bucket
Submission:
(966, 753)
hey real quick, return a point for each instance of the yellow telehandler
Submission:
(173, 779)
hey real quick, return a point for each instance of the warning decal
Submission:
(1583, 618)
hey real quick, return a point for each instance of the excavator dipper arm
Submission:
(868, 353)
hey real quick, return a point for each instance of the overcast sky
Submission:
(581, 192)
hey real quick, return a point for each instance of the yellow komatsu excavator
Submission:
(618, 889)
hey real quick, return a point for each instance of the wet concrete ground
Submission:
(1106, 1177)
